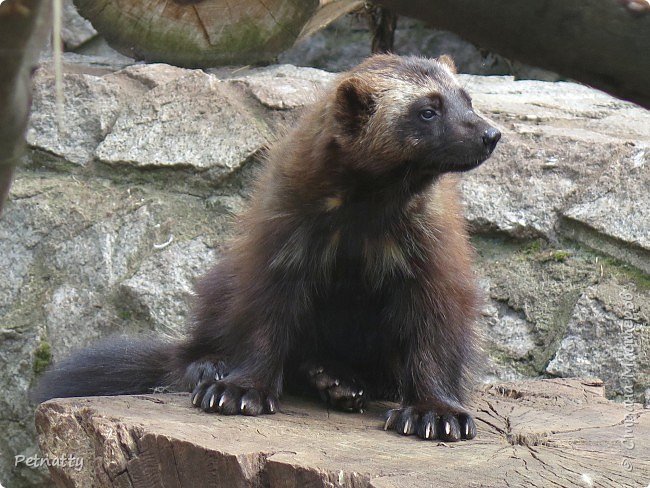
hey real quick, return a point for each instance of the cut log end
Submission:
(530, 433)
(199, 33)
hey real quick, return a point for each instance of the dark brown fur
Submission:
(351, 272)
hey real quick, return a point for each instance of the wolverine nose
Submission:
(490, 138)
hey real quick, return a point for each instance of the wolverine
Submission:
(350, 274)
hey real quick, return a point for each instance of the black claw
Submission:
(391, 418)
(220, 371)
(229, 401)
(406, 422)
(428, 426)
(271, 405)
(251, 403)
(194, 398)
(197, 394)
(314, 370)
(210, 398)
(449, 428)
(335, 386)
(467, 426)
(204, 371)
(323, 381)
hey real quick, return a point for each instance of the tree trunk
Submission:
(602, 43)
(24, 24)
(382, 25)
(530, 433)
(199, 33)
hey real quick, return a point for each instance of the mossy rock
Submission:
(42, 357)
(199, 33)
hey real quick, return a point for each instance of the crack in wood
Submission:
(204, 30)
(314, 447)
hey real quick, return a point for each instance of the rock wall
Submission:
(127, 198)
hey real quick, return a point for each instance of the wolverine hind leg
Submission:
(204, 370)
(336, 384)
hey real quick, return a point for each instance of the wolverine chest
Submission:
(330, 253)
(348, 313)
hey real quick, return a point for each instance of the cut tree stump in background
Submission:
(199, 33)
(205, 33)
(531, 434)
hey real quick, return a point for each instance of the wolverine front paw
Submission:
(336, 388)
(450, 426)
(229, 399)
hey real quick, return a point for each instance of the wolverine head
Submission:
(410, 112)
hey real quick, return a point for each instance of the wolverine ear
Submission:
(354, 103)
(448, 62)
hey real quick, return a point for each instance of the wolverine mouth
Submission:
(462, 165)
(454, 162)
(467, 165)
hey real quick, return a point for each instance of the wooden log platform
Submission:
(597, 42)
(537, 433)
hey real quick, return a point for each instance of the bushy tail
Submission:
(117, 366)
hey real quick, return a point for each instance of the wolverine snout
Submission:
(490, 138)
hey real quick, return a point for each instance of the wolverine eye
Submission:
(428, 114)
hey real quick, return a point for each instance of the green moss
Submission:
(522, 366)
(42, 357)
(557, 256)
(625, 271)
(496, 247)
(539, 250)
(560, 256)
(533, 247)
(126, 314)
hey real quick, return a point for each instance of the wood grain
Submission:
(560, 433)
